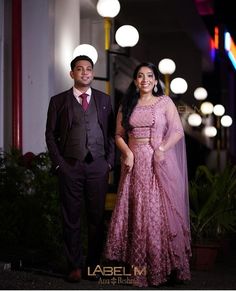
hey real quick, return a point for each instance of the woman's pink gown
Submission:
(149, 228)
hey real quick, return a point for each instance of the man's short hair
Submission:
(80, 58)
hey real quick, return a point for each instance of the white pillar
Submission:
(50, 31)
(67, 37)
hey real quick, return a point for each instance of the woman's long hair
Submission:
(131, 97)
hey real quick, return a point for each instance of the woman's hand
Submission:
(128, 160)
(159, 154)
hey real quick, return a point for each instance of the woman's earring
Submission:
(155, 89)
(137, 90)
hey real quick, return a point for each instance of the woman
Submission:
(149, 228)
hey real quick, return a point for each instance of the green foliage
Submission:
(29, 202)
(212, 203)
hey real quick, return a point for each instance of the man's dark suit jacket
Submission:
(59, 121)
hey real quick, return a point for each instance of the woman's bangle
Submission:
(161, 148)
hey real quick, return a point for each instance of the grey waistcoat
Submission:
(85, 134)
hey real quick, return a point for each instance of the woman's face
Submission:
(145, 80)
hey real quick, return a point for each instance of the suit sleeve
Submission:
(52, 135)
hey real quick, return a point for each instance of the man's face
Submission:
(82, 74)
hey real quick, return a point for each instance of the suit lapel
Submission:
(97, 101)
(69, 105)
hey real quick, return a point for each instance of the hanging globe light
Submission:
(200, 93)
(226, 121)
(166, 66)
(194, 119)
(218, 110)
(206, 108)
(210, 131)
(108, 8)
(178, 86)
(127, 36)
(87, 50)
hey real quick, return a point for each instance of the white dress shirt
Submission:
(77, 93)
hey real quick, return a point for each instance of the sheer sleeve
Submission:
(174, 126)
(173, 118)
(120, 131)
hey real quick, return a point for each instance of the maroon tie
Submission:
(84, 101)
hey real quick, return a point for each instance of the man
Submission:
(80, 141)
